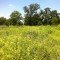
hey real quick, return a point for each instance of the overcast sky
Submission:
(8, 6)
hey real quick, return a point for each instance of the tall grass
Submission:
(30, 43)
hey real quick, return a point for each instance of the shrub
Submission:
(7, 23)
(54, 20)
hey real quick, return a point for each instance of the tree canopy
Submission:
(15, 17)
(34, 15)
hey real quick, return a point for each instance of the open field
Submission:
(30, 43)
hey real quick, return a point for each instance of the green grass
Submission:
(30, 43)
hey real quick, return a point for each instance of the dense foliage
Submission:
(2, 20)
(30, 11)
(44, 17)
(30, 43)
(15, 17)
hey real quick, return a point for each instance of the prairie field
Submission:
(30, 42)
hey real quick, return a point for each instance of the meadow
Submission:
(30, 42)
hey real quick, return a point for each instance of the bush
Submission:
(7, 23)
(54, 20)
(2, 20)
(39, 23)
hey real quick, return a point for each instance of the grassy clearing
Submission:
(30, 43)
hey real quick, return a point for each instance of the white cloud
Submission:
(10, 5)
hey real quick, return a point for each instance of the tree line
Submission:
(34, 15)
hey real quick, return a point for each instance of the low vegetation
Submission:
(30, 42)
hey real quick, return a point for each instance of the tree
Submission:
(46, 16)
(30, 10)
(47, 10)
(54, 13)
(36, 20)
(41, 14)
(14, 17)
(2, 20)
(55, 17)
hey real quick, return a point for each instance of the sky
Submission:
(8, 6)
